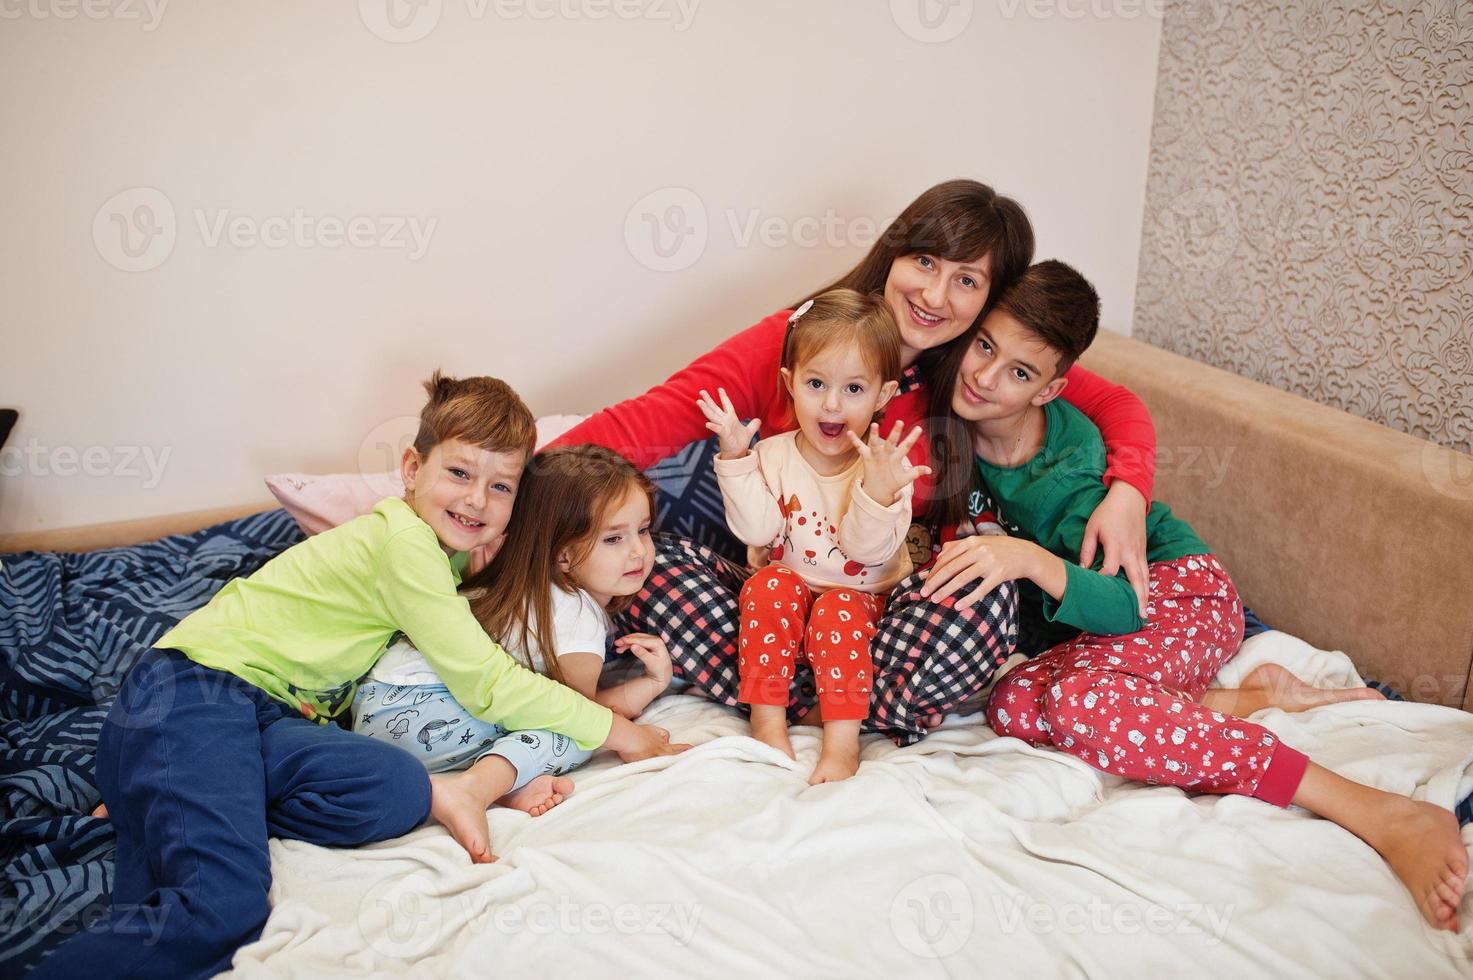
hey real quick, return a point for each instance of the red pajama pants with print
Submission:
(783, 620)
(1128, 704)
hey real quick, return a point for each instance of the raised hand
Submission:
(722, 419)
(651, 652)
(886, 472)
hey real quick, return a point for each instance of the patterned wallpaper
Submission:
(1309, 206)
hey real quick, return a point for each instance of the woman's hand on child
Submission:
(1118, 525)
(722, 419)
(650, 651)
(994, 559)
(886, 471)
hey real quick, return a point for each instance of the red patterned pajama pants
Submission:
(929, 656)
(1128, 704)
(784, 621)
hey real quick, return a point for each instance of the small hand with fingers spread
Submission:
(722, 419)
(886, 472)
(650, 651)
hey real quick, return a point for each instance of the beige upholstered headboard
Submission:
(1338, 530)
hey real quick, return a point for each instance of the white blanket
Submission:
(965, 854)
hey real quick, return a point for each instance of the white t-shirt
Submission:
(579, 626)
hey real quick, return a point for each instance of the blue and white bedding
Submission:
(71, 625)
(677, 864)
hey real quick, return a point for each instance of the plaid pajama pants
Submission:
(928, 656)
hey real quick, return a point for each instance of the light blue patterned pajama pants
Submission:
(426, 721)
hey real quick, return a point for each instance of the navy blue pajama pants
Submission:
(198, 768)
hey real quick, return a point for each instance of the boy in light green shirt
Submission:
(221, 737)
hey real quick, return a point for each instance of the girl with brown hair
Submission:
(577, 549)
(937, 265)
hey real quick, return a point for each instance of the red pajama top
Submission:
(665, 419)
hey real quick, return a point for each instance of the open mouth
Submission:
(831, 430)
(465, 522)
(921, 317)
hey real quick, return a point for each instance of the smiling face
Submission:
(463, 492)
(834, 392)
(935, 300)
(1005, 371)
(621, 555)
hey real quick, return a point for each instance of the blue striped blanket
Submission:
(71, 625)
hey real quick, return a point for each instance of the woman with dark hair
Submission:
(937, 266)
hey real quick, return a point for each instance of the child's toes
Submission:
(1447, 894)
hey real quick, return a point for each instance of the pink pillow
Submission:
(318, 502)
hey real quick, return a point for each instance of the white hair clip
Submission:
(807, 305)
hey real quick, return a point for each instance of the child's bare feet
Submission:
(455, 801)
(770, 725)
(1419, 840)
(1426, 852)
(839, 757)
(540, 795)
(1273, 686)
(1287, 692)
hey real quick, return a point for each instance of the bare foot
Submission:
(1420, 841)
(932, 721)
(839, 757)
(1288, 693)
(835, 763)
(1273, 686)
(770, 725)
(101, 812)
(540, 795)
(1426, 852)
(456, 802)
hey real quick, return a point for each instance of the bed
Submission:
(965, 854)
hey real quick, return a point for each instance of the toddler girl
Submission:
(831, 509)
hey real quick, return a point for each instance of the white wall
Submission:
(527, 141)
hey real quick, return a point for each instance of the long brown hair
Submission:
(960, 221)
(564, 497)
